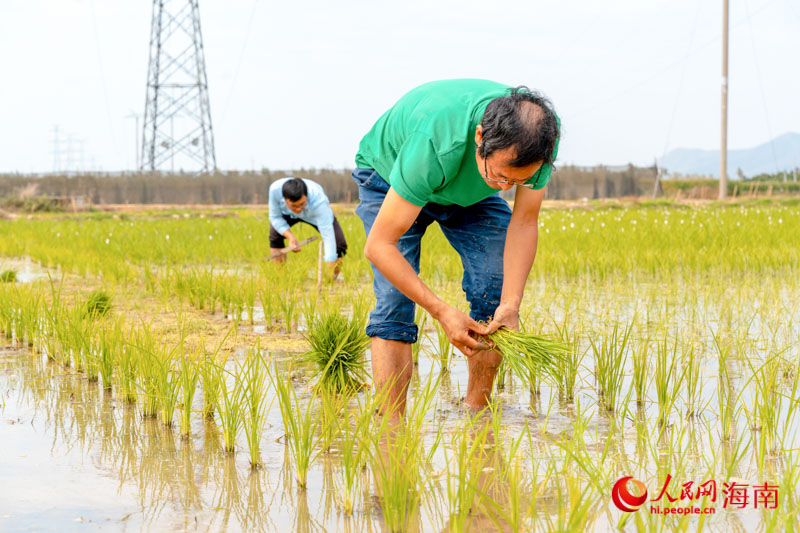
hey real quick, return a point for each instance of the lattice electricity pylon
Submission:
(177, 118)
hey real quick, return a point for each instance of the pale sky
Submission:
(297, 84)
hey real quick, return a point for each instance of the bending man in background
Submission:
(292, 200)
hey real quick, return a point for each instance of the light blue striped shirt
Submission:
(317, 212)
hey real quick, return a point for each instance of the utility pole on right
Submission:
(723, 149)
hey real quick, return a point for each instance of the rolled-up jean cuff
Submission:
(393, 331)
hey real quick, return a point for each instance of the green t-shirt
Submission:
(424, 146)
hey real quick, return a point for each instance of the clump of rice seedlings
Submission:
(189, 376)
(332, 406)
(230, 408)
(465, 486)
(526, 354)
(505, 478)
(668, 378)
(266, 295)
(168, 388)
(610, 358)
(211, 375)
(442, 351)
(566, 374)
(126, 373)
(164, 383)
(8, 276)
(108, 341)
(254, 382)
(640, 370)
(767, 400)
(97, 305)
(288, 305)
(300, 426)
(338, 345)
(352, 433)
(693, 373)
(726, 395)
(145, 350)
(396, 455)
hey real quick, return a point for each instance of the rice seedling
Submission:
(97, 305)
(254, 383)
(395, 455)
(610, 360)
(167, 384)
(189, 372)
(331, 408)
(503, 496)
(566, 374)
(109, 341)
(337, 350)
(442, 351)
(211, 376)
(8, 276)
(693, 373)
(144, 349)
(767, 406)
(463, 486)
(526, 354)
(300, 426)
(668, 378)
(230, 408)
(639, 351)
(353, 447)
(727, 399)
(127, 373)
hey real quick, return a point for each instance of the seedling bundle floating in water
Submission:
(528, 355)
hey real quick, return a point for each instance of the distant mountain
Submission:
(761, 159)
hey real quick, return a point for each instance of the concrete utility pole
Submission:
(723, 151)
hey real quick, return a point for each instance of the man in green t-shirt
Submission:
(442, 153)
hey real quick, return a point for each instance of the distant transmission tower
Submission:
(177, 117)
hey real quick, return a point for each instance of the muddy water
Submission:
(73, 457)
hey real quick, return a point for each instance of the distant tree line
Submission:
(252, 187)
(220, 188)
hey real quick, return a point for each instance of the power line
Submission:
(761, 89)
(239, 62)
(683, 76)
(103, 79)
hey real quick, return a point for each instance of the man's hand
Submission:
(293, 244)
(506, 316)
(332, 269)
(458, 326)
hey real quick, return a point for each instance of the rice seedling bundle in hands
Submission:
(337, 349)
(528, 355)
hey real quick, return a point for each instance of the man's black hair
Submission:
(509, 121)
(294, 189)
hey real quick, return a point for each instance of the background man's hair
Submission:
(294, 189)
(511, 121)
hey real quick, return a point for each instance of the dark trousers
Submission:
(276, 240)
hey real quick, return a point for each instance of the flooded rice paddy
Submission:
(706, 390)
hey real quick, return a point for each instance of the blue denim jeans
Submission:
(478, 234)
